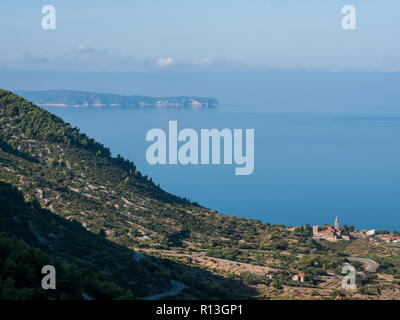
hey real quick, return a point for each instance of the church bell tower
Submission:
(337, 223)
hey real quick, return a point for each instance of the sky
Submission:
(187, 35)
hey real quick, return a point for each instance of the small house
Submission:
(299, 277)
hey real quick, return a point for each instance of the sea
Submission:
(327, 144)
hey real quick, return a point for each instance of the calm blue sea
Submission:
(326, 144)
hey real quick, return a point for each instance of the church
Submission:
(330, 233)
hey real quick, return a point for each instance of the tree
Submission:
(276, 284)
(382, 231)
(102, 234)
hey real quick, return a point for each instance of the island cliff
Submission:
(70, 98)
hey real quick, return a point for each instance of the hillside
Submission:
(70, 243)
(20, 275)
(90, 99)
(74, 176)
(79, 185)
(79, 204)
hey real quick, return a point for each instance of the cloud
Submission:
(35, 58)
(165, 62)
(126, 56)
(206, 61)
(83, 48)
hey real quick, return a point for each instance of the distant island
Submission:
(71, 98)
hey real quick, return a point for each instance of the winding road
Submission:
(177, 287)
(86, 296)
(370, 265)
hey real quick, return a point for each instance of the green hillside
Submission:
(81, 205)
(70, 243)
(20, 276)
(74, 176)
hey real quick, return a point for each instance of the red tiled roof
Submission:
(328, 230)
(392, 237)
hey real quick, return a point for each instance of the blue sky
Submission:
(207, 35)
